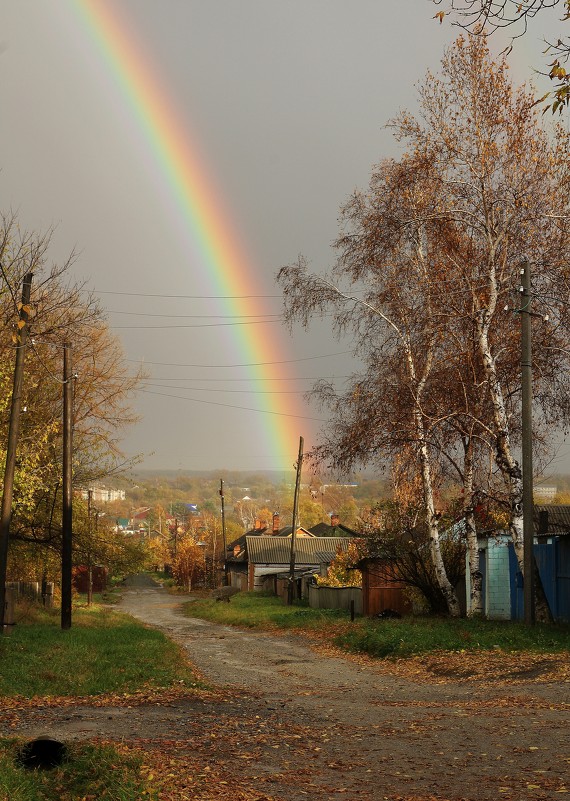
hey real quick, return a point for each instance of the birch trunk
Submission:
(507, 464)
(418, 380)
(433, 529)
(475, 607)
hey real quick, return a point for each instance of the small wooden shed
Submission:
(382, 590)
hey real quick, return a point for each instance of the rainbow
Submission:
(192, 204)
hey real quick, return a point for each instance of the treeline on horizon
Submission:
(269, 489)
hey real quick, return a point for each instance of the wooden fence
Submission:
(32, 590)
(335, 598)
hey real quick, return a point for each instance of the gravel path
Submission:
(336, 728)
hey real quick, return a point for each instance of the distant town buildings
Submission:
(544, 494)
(102, 494)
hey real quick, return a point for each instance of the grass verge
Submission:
(412, 636)
(89, 772)
(383, 638)
(103, 652)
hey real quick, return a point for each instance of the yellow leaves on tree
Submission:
(342, 572)
(189, 562)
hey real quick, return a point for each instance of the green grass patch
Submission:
(257, 610)
(112, 595)
(103, 652)
(410, 636)
(383, 638)
(89, 772)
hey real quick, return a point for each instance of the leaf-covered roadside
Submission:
(474, 640)
(325, 728)
(493, 667)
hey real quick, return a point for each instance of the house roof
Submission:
(241, 556)
(287, 530)
(325, 530)
(558, 519)
(308, 551)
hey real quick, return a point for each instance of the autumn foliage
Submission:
(60, 311)
(427, 286)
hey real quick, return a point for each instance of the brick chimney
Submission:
(275, 529)
(257, 526)
(335, 520)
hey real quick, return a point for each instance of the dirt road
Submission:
(295, 722)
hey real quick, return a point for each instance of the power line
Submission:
(249, 380)
(196, 316)
(186, 297)
(247, 364)
(231, 406)
(198, 325)
(236, 391)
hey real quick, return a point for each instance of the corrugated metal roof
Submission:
(301, 532)
(308, 550)
(240, 541)
(324, 557)
(325, 530)
(558, 518)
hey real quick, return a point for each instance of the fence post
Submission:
(48, 597)
(9, 603)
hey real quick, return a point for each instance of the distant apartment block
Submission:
(544, 494)
(103, 494)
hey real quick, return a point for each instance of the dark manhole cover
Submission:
(43, 753)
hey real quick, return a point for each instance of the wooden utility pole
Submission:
(67, 513)
(12, 443)
(291, 587)
(221, 491)
(528, 501)
(90, 535)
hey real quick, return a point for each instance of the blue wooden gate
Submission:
(553, 560)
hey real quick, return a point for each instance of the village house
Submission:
(261, 557)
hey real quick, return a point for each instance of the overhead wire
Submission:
(196, 316)
(216, 320)
(183, 297)
(191, 325)
(249, 380)
(236, 391)
(231, 406)
(245, 364)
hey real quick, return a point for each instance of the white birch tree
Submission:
(432, 255)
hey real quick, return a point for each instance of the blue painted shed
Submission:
(503, 594)
(495, 568)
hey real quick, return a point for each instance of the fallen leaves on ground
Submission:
(234, 761)
(171, 773)
(15, 706)
(497, 667)
(232, 754)
(160, 696)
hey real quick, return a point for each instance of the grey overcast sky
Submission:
(282, 104)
